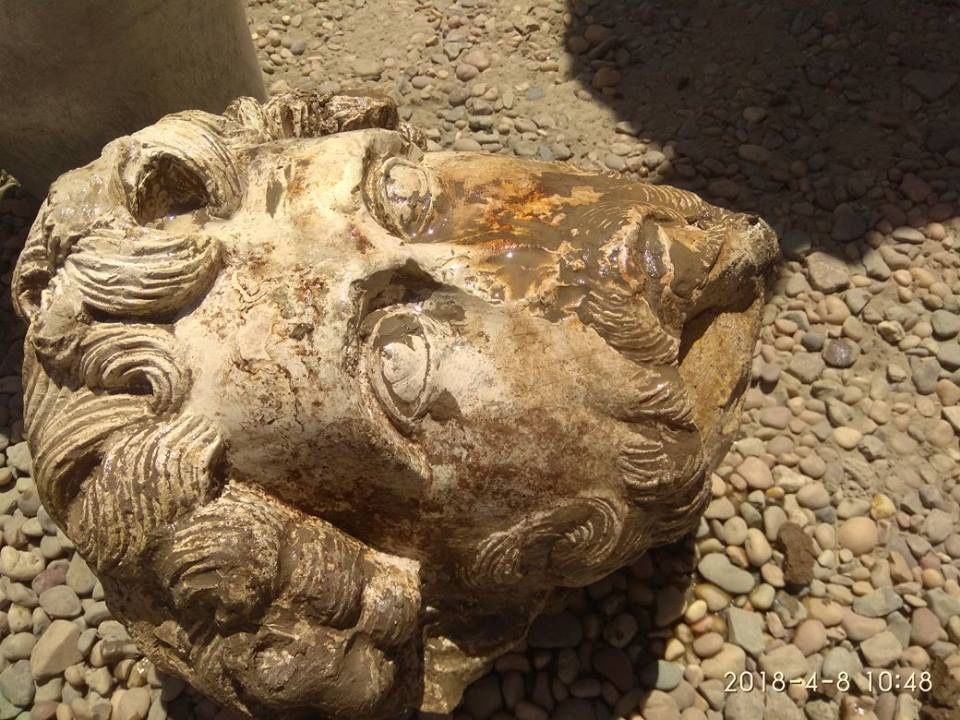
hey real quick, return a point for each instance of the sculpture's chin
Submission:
(714, 363)
(717, 341)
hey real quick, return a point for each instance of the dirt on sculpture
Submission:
(332, 417)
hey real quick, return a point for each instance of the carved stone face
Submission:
(416, 346)
(508, 375)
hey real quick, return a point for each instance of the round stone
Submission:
(826, 612)
(840, 353)
(708, 645)
(17, 646)
(925, 627)
(777, 417)
(669, 675)
(60, 602)
(735, 531)
(938, 525)
(620, 630)
(810, 636)
(478, 58)
(465, 72)
(762, 596)
(806, 367)
(882, 507)
(949, 355)
(847, 437)
(756, 473)
(945, 324)
(695, 612)
(606, 77)
(813, 496)
(16, 684)
(757, 547)
(858, 534)
(715, 598)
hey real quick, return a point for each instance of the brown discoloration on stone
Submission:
(398, 398)
(799, 554)
(944, 692)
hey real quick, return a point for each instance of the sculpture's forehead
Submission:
(324, 167)
(365, 200)
(302, 203)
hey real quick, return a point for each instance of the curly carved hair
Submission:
(140, 485)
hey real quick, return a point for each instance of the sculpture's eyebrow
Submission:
(376, 153)
(373, 159)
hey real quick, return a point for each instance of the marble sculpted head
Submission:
(332, 416)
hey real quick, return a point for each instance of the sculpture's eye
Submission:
(403, 366)
(168, 188)
(403, 197)
(400, 363)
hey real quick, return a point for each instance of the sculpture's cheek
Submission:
(511, 411)
(255, 335)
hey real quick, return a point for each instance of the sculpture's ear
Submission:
(178, 165)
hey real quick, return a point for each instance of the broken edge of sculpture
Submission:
(332, 417)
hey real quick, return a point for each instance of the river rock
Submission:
(858, 534)
(827, 273)
(56, 650)
(16, 683)
(881, 650)
(716, 568)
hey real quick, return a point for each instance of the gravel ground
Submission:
(830, 554)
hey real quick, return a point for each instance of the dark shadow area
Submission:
(825, 117)
(17, 212)
(620, 627)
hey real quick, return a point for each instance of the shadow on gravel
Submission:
(620, 626)
(824, 117)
